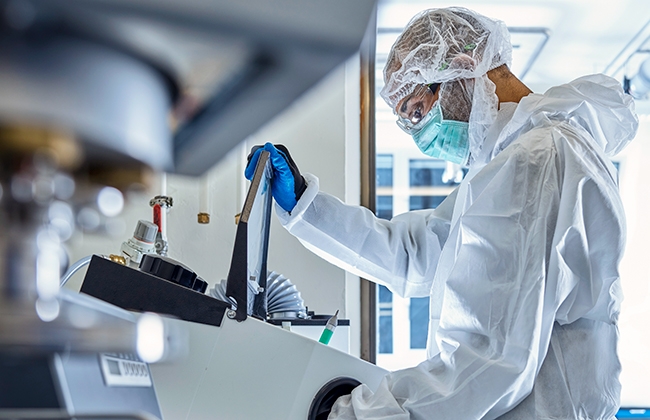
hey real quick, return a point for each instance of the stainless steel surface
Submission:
(232, 65)
(77, 383)
(118, 105)
(82, 324)
(60, 415)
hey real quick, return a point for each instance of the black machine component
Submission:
(200, 285)
(142, 290)
(168, 269)
(79, 385)
(238, 270)
(317, 321)
(325, 398)
(172, 270)
(137, 290)
(26, 382)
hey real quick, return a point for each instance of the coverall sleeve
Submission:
(401, 254)
(496, 315)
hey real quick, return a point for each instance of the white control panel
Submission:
(121, 369)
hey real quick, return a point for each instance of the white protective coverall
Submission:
(520, 263)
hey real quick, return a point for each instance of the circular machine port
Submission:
(322, 403)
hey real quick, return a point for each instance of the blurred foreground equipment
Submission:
(94, 96)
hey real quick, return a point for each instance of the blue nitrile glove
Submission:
(287, 184)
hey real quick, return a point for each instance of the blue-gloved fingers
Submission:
(283, 184)
(299, 182)
(280, 164)
(253, 157)
(287, 184)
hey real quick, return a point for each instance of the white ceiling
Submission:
(585, 36)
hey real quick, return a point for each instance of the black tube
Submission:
(325, 398)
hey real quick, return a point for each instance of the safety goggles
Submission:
(413, 109)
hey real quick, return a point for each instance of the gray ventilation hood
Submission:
(228, 66)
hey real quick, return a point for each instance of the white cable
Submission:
(74, 268)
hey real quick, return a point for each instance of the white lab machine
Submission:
(239, 366)
(254, 370)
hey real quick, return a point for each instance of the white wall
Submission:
(314, 130)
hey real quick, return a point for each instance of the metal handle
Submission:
(237, 287)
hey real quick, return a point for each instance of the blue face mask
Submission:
(443, 139)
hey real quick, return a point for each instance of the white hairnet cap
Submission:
(445, 45)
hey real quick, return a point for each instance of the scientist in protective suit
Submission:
(520, 262)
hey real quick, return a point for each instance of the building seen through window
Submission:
(406, 180)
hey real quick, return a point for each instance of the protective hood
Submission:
(595, 103)
(446, 46)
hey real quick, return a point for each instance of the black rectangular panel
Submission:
(26, 381)
(135, 290)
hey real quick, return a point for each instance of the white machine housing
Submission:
(252, 370)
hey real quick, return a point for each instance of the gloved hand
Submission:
(287, 184)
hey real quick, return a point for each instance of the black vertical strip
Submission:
(237, 286)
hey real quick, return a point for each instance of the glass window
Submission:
(385, 329)
(384, 167)
(425, 173)
(384, 176)
(434, 172)
(385, 206)
(419, 202)
(419, 322)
